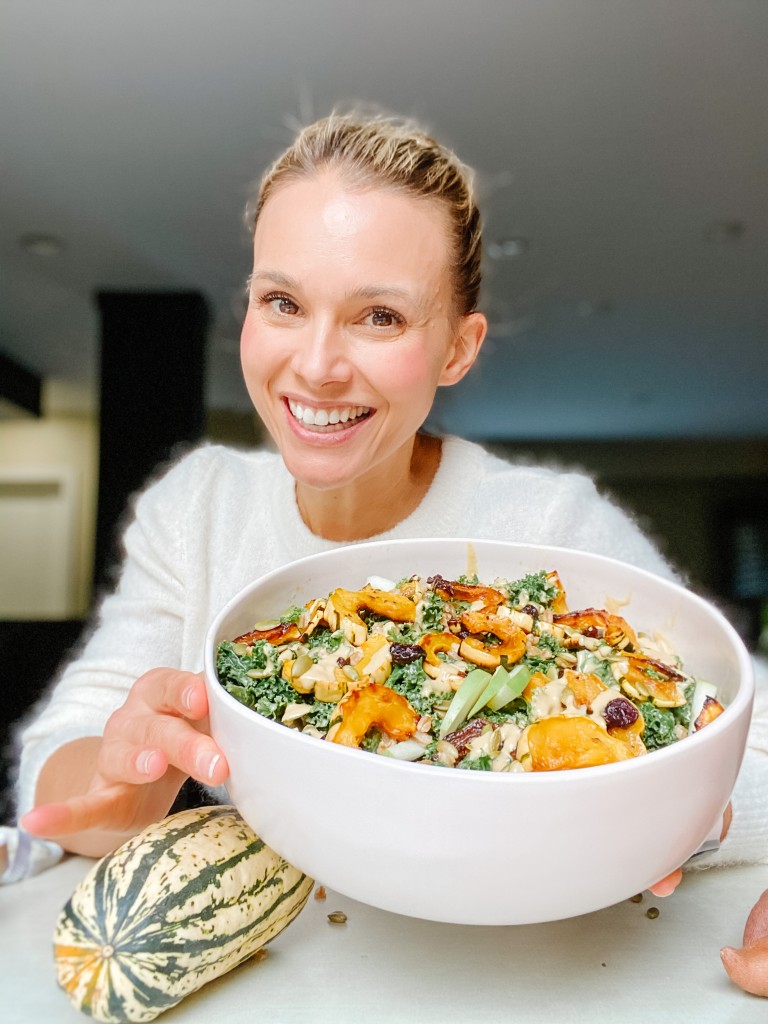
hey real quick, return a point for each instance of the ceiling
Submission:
(626, 142)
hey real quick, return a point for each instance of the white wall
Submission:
(48, 491)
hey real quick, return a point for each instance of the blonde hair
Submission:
(393, 153)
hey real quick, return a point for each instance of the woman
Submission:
(363, 301)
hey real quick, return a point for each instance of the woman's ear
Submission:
(466, 345)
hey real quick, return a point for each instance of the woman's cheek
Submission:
(409, 370)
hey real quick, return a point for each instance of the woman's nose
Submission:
(322, 355)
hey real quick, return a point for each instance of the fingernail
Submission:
(205, 765)
(187, 698)
(144, 762)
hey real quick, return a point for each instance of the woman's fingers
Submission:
(162, 723)
(146, 744)
(109, 808)
(150, 744)
(172, 692)
(121, 760)
(667, 885)
(727, 819)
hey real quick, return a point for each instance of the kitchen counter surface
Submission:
(382, 968)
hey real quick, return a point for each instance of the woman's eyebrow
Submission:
(369, 292)
(388, 291)
(274, 276)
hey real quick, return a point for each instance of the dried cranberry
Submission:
(590, 631)
(532, 610)
(620, 713)
(404, 654)
(461, 737)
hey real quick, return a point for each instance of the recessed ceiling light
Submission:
(722, 231)
(508, 248)
(42, 245)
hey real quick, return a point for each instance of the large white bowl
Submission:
(482, 847)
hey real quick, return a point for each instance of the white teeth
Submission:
(327, 417)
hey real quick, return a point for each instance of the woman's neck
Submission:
(375, 503)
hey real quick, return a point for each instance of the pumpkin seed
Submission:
(302, 664)
(267, 624)
(337, 917)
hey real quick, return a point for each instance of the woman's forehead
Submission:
(323, 215)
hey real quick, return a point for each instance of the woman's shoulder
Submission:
(196, 483)
(197, 467)
(476, 463)
(520, 501)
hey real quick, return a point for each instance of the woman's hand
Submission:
(96, 792)
(668, 885)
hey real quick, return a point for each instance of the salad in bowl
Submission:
(477, 732)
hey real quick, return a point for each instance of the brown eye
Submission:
(384, 318)
(281, 304)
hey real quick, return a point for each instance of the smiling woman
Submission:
(350, 329)
(363, 302)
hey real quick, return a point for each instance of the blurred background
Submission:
(622, 162)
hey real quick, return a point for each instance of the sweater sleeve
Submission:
(612, 532)
(137, 627)
(747, 839)
(577, 516)
(589, 521)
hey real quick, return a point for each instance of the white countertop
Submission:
(613, 965)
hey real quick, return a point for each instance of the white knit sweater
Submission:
(219, 518)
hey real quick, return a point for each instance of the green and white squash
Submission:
(178, 905)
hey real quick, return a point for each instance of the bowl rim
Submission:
(741, 703)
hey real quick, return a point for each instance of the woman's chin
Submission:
(323, 471)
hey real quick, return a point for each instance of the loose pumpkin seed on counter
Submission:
(182, 903)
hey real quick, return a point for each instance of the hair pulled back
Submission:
(382, 151)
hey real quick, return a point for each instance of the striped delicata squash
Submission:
(178, 905)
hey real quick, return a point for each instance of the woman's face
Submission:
(350, 327)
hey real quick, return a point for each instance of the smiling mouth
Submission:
(328, 420)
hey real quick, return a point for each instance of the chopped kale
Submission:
(404, 633)
(535, 587)
(549, 642)
(432, 612)
(325, 638)
(371, 741)
(550, 647)
(471, 581)
(659, 728)
(604, 672)
(293, 614)
(272, 696)
(408, 681)
(234, 668)
(482, 763)
(516, 712)
(684, 712)
(320, 715)
(241, 693)
(651, 672)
